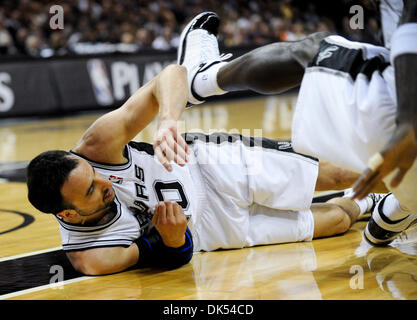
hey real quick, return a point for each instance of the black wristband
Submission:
(154, 253)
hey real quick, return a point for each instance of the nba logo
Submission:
(100, 81)
(115, 179)
(205, 77)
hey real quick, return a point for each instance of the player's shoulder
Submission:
(97, 148)
(99, 152)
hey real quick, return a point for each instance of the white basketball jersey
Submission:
(139, 185)
(391, 11)
(229, 181)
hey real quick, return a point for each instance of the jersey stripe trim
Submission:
(79, 228)
(97, 244)
(142, 146)
(223, 137)
(109, 166)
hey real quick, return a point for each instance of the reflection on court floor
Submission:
(32, 265)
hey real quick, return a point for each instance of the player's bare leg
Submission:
(337, 215)
(270, 69)
(330, 219)
(332, 177)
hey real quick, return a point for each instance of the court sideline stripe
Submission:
(28, 254)
(54, 286)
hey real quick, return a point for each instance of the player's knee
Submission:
(341, 220)
(305, 50)
(317, 37)
(330, 220)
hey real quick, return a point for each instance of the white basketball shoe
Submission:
(380, 230)
(199, 50)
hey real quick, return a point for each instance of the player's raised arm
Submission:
(401, 151)
(165, 96)
(172, 96)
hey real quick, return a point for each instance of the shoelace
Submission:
(375, 197)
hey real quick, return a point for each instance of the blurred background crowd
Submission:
(103, 26)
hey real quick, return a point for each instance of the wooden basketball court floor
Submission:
(32, 265)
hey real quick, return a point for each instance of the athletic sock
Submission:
(205, 83)
(392, 209)
(364, 204)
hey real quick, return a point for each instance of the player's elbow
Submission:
(173, 71)
(91, 265)
(176, 68)
(95, 269)
(177, 72)
(88, 269)
(83, 266)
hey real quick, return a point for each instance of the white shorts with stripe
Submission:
(346, 109)
(257, 191)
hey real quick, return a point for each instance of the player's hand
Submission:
(170, 221)
(399, 154)
(169, 145)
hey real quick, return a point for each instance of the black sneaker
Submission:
(381, 231)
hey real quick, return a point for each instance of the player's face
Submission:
(87, 191)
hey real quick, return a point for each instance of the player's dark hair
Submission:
(46, 174)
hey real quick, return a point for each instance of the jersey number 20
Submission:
(173, 191)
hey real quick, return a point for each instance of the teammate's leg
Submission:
(270, 69)
(332, 177)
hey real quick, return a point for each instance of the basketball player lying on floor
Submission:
(356, 107)
(234, 192)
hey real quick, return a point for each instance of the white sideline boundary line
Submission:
(28, 254)
(54, 286)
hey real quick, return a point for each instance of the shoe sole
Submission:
(379, 226)
(377, 242)
(184, 33)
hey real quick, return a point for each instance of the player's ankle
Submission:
(205, 82)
